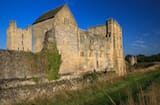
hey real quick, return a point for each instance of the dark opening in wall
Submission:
(81, 53)
(97, 63)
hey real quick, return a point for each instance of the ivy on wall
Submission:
(53, 61)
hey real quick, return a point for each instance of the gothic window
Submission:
(108, 34)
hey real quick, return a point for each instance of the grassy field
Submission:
(130, 90)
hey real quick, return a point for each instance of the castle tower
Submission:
(19, 39)
(114, 32)
(10, 35)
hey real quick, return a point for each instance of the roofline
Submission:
(42, 20)
(61, 6)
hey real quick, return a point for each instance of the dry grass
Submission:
(130, 90)
(151, 96)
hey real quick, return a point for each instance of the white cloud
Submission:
(156, 32)
(136, 45)
(139, 41)
(139, 44)
(146, 34)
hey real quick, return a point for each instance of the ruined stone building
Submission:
(19, 39)
(95, 49)
(133, 60)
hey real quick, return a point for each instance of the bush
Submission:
(53, 61)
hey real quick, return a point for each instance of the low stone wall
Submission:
(19, 94)
(16, 64)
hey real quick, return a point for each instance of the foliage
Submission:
(152, 58)
(53, 61)
(127, 57)
(144, 58)
(47, 60)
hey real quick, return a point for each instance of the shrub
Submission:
(53, 61)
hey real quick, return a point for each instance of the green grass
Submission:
(101, 93)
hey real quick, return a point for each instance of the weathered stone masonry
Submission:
(98, 48)
(19, 39)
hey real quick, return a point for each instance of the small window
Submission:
(97, 64)
(109, 34)
(66, 21)
(82, 54)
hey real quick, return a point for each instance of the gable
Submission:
(65, 16)
(48, 15)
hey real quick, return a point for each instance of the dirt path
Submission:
(142, 70)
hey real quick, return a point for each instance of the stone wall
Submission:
(98, 48)
(94, 51)
(19, 39)
(22, 94)
(98, 30)
(114, 31)
(39, 31)
(16, 64)
(66, 32)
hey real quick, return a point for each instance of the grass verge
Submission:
(101, 92)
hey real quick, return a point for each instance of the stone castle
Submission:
(19, 39)
(95, 49)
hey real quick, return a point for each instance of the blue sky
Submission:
(140, 19)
